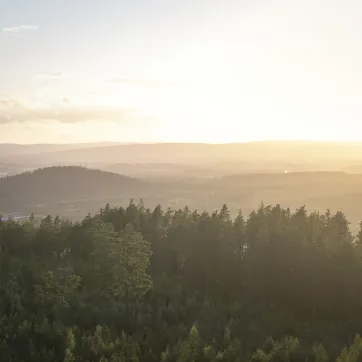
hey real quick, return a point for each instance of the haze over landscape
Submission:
(180, 181)
(190, 71)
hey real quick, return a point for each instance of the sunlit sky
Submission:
(180, 70)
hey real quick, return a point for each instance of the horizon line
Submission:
(180, 142)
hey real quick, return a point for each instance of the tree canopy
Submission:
(134, 284)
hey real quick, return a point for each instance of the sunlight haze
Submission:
(190, 71)
(181, 180)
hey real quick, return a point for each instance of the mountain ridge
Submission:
(321, 152)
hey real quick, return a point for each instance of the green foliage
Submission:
(320, 353)
(140, 285)
(352, 353)
(274, 350)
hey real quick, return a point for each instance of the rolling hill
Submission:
(315, 190)
(74, 191)
(353, 169)
(45, 190)
(256, 154)
(13, 149)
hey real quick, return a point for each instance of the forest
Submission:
(162, 285)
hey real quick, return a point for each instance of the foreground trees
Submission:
(133, 284)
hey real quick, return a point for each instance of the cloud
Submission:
(148, 83)
(53, 75)
(7, 103)
(13, 111)
(58, 74)
(20, 28)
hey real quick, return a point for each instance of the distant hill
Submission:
(74, 191)
(315, 190)
(13, 149)
(159, 170)
(42, 188)
(297, 185)
(316, 177)
(353, 169)
(256, 154)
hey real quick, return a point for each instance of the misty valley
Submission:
(72, 180)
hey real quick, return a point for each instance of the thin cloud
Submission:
(58, 74)
(20, 28)
(13, 111)
(65, 100)
(149, 83)
(7, 103)
(53, 75)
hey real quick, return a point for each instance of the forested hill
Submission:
(75, 191)
(132, 284)
(63, 184)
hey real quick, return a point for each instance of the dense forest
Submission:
(134, 284)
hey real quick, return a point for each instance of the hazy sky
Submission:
(180, 70)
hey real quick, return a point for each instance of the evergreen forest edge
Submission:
(134, 284)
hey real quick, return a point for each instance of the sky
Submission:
(180, 70)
